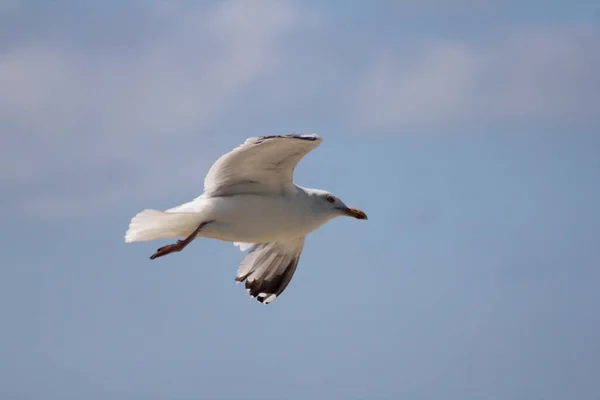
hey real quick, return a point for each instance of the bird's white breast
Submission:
(258, 219)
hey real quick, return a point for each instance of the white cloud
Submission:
(68, 112)
(550, 73)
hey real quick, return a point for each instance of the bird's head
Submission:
(332, 206)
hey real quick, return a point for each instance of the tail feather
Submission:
(153, 224)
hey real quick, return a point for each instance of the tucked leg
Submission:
(179, 245)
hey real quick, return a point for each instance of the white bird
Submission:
(250, 199)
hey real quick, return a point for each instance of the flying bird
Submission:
(250, 199)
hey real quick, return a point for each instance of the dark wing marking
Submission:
(268, 268)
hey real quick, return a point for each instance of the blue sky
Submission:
(468, 132)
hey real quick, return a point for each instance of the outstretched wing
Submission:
(268, 268)
(262, 165)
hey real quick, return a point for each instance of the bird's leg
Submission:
(179, 245)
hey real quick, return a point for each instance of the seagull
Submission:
(250, 199)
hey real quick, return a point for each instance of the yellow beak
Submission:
(356, 213)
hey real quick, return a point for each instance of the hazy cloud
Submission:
(69, 113)
(93, 112)
(546, 73)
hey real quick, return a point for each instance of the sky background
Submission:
(467, 130)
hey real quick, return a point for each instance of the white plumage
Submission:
(250, 199)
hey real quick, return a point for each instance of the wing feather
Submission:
(268, 268)
(261, 165)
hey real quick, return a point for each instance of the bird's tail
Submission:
(153, 224)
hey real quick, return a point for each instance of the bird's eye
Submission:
(330, 199)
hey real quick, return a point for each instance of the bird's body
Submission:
(250, 200)
(236, 218)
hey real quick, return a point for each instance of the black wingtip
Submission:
(308, 137)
